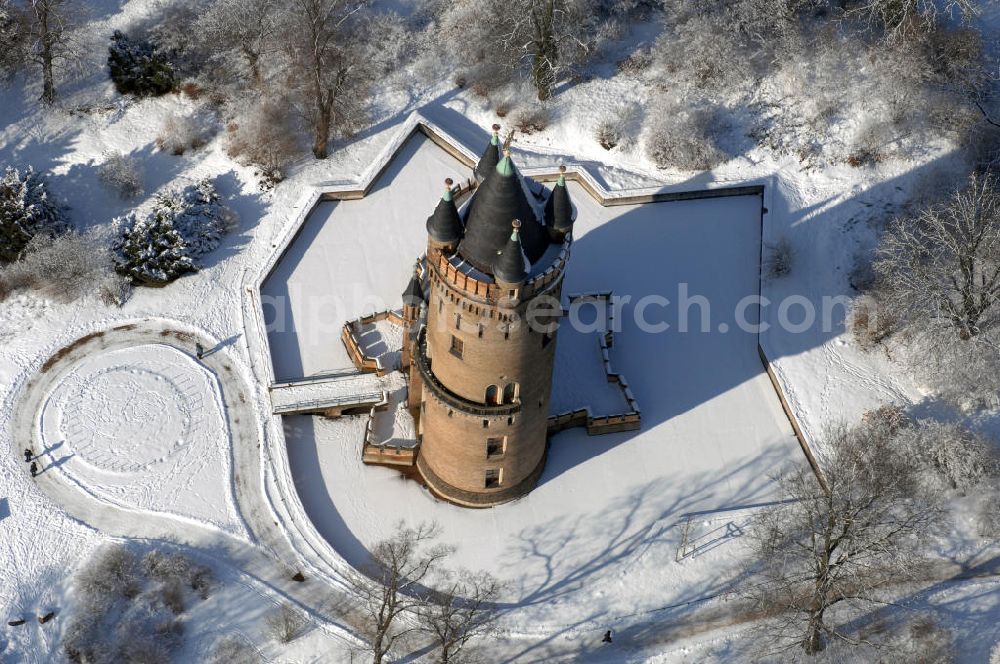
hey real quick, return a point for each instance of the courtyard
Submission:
(613, 516)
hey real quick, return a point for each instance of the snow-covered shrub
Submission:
(529, 119)
(27, 209)
(950, 456)
(636, 62)
(234, 650)
(870, 143)
(694, 56)
(111, 574)
(988, 519)
(684, 140)
(286, 623)
(137, 67)
(63, 268)
(613, 129)
(779, 259)
(124, 614)
(182, 226)
(265, 137)
(121, 173)
(180, 133)
(870, 324)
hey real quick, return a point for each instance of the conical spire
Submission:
(491, 155)
(512, 266)
(558, 209)
(499, 199)
(444, 225)
(414, 293)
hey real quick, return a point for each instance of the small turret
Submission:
(512, 266)
(491, 155)
(413, 299)
(444, 226)
(559, 214)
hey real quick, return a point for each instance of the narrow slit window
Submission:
(492, 478)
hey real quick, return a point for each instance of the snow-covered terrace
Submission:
(610, 513)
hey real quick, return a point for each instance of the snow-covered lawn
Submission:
(598, 539)
(142, 427)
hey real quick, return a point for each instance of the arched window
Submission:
(492, 395)
(510, 392)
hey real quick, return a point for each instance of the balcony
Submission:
(447, 396)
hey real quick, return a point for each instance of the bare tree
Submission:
(49, 29)
(460, 612)
(897, 20)
(538, 38)
(391, 585)
(826, 549)
(286, 623)
(247, 27)
(13, 33)
(331, 74)
(942, 266)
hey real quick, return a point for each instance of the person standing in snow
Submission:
(199, 350)
(607, 637)
(34, 469)
(28, 454)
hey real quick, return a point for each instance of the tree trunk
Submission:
(253, 60)
(46, 37)
(322, 135)
(814, 639)
(544, 57)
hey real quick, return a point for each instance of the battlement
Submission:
(480, 287)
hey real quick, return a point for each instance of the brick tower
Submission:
(481, 354)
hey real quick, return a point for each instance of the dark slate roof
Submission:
(512, 266)
(499, 200)
(414, 293)
(559, 214)
(491, 156)
(444, 224)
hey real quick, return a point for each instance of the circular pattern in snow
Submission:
(125, 418)
(142, 427)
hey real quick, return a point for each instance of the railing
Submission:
(450, 398)
(315, 405)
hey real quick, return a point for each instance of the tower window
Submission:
(492, 395)
(510, 392)
(458, 321)
(457, 346)
(486, 424)
(492, 478)
(495, 447)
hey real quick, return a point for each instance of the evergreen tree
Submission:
(182, 226)
(138, 68)
(26, 209)
(150, 250)
(199, 216)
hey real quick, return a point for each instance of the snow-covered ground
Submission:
(598, 540)
(143, 428)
